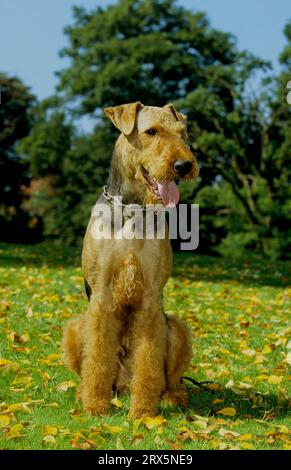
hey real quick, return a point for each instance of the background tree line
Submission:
(156, 52)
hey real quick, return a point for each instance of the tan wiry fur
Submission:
(125, 341)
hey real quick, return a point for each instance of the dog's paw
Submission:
(97, 410)
(178, 397)
(96, 406)
(137, 412)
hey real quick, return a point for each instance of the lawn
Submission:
(238, 312)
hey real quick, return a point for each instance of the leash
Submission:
(200, 384)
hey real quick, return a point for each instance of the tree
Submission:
(15, 123)
(153, 51)
(68, 169)
(158, 52)
(248, 152)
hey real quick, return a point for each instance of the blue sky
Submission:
(31, 32)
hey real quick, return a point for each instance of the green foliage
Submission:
(15, 123)
(153, 50)
(157, 52)
(70, 168)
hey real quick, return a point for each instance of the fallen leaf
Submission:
(262, 377)
(275, 379)
(227, 412)
(216, 401)
(64, 386)
(266, 349)
(49, 429)
(20, 407)
(200, 424)
(4, 420)
(228, 434)
(15, 431)
(151, 423)
(245, 437)
(116, 402)
(112, 429)
(247, 445)
(22, 378)
(249, 352)
(49, 439)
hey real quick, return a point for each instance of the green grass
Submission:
(238, 312)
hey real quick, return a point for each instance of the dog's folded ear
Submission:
(179, 116)
(123, 116)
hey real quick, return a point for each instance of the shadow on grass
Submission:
(252, 271)
(50, 254)
(202, 402)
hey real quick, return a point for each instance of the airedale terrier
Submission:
(125, 340)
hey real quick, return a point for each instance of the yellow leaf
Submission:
(266, 349)
(227, 412)
(247, 445)
(136, 424)
(200, 424)
(19, 407)
(249, 352)
(262, 377)
(4, 420)
(5, 363)
(15, 431)
(116, 402)
(245, 437)
(51, 405)
(228, 434)
(275, 379)
(216, 401)
(151, 423)
(64, 386)
(112, 429)
(49, 439)
(259, 359)
(52, 430)
(245, 385)
(288, 359)
(25, 337)
(283, 429)
(22, 378)
(50, 360)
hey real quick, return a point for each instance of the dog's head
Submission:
(154, 149)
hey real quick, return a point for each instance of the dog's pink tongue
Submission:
(169, 192)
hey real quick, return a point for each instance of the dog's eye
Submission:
(151, 131)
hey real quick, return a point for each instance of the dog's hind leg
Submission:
(178, 360)
(72, 344)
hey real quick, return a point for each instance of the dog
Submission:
(125, 341)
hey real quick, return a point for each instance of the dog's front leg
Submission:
(99, 357)
(149, 351)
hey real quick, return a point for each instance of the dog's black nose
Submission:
(183, 167)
